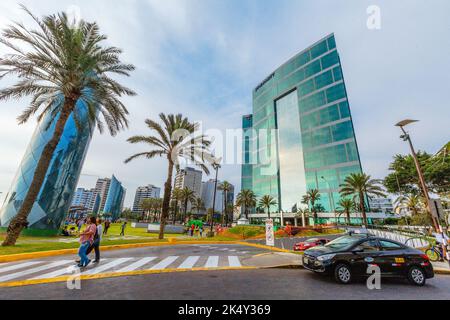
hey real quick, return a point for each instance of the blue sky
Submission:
(203, 58)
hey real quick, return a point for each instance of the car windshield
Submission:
(342, 242)
(311, 240)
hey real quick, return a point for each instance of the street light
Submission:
(216, 166)
(331, 198)
(406, 137)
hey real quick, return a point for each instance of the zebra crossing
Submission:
(40, 270)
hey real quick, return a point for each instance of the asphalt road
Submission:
(288, 243)
(264, 284)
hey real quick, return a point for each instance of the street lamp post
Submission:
(406, 137)
(216, 167)
(331, 198)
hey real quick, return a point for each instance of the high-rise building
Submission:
(101, 190)
(83, 198)
(300, 135)
(144, 192)
(190, 178)
(208, 195)
(55, 196)
(114, 199)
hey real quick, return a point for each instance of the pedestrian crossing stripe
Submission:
(41, 270)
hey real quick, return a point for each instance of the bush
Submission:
(247, 231)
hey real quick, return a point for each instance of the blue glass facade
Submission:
(308, 140)
(56, 194)
(114, 200)
(246, 174)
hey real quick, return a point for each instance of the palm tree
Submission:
(177, 138)
(247, 199)
(176, 198)
(65, 63)
(266, 202)
(156, 207)
(225, 187)
(360, 185)
(187, 196)
(346, 205)
(147, 206)
(198, 205)
(310, 199)
(413, 203)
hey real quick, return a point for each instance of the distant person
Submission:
(122, 232)
(86, 239)
(97, 239)
(107, 225)
(192, 230)
(200, 229)
(80, 225)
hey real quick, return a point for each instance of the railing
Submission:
(410, 237)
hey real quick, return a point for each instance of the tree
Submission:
(360, 185)
(404, 179)
(176, 198)
(246, 199)
(187, 196)
(413, 203)
(198, 205)
(346, 206)
(177, 138)
(266, 202)
(310, 199)
(225, 187)
(147, 206)
(65, 63)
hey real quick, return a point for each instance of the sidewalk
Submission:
(441, 267)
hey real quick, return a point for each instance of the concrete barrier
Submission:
(154, 228)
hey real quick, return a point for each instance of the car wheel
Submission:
(343, 274)
(416, 276)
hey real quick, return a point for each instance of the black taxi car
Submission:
(351, 255)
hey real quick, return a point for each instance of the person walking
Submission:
(80, 224)
(107, 225)
(192, 230)
(200, 229)
(97, 239)
(122, 232)
(86, 239)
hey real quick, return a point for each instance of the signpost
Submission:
(270, 234)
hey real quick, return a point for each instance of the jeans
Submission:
(96, 247)
(82, 253)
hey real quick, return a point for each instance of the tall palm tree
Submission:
(187, 196)
(413, 203)
(360, 185)
(60, 64)
(247, 199)
(266, 202)
(147, 206)
(198, 205)
(346, 206)
(225, 187)
(310, 199)
(177, 138)
(176, 198)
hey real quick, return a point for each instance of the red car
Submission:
(313, 242)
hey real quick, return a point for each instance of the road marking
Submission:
(189, 262)
(137, 264)
(212, 262)
(19, 266)
(233, 261)
(34, 270)
(164, 263)
(232, 250)
(107, 266)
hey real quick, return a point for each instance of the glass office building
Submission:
(302, 134)
(114, 200)
(55, 196)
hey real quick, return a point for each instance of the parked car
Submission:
(310, 243)
(351, 255)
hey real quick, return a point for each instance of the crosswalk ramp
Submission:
(39, 270)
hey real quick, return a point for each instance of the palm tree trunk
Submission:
(348, 217)
(20, 220)
(268, 212)
(363, 209)
(166, 200)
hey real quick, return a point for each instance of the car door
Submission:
(392, 257)
(365, 254)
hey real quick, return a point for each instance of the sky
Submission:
(204, 58)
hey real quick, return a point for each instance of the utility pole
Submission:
(406, 137)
